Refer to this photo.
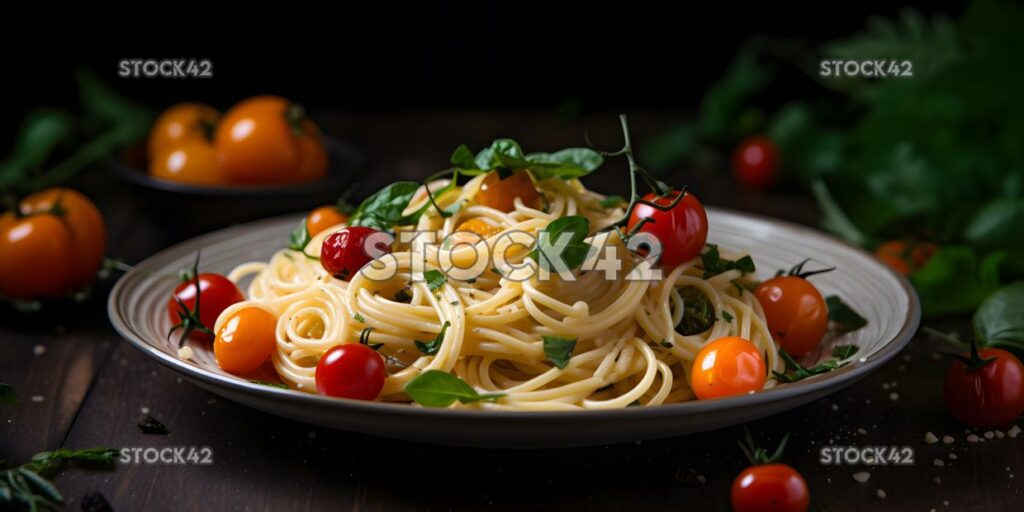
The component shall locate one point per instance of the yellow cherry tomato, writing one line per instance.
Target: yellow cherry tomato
(180, 123)
(726, 367)
(245, 340)
(194, 162)
(323, 218)
(500, 193)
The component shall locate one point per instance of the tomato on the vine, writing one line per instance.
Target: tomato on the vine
(500, 191)
(268, 139)
(345, 252)
(323, 218)
(181, 123)
(796, 312)
(726, 367)
(985, 389)
(774, 487)
(216, 293)
(755, 162)
(351, 371)
(905, 257)
(86, 226)
(681, 230)
(36, 256)
(245, 340)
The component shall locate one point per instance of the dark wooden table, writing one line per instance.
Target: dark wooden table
(81, 386)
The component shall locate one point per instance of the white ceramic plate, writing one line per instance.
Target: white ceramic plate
(137, 310)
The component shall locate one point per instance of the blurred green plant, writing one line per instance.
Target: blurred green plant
(52, 145)
(938, 156)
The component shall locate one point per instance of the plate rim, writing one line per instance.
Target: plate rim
(828, 383)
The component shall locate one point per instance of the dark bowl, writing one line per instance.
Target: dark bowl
(186, 210)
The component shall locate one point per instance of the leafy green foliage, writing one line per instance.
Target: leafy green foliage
(698, 313)
(573, 250)
(559, 350)
(999, 321)
(299, 238)
(435, 388)
(431, 347)
(713, 263)
(842, 315)
(435, 279)
(506, 154)
(27, 486)
(383, 210)
(954, 280)
(795, 371)
(844, 351)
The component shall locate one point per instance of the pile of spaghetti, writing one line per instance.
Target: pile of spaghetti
(528, 341)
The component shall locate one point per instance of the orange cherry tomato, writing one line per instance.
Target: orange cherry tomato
(323, 218)
(35, 256)
(245, 340)
(500, 194)
(772, 487)
(85, 224)
(267, 139)
(194, 162)
(478, 226)
(180, 123)
(796, 312)
(905, 257)
(727, 366)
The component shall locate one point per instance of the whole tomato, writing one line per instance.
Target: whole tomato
(180, 123)
(755, 162)
(201, 310)
(194, 162)
(268, 139)
(796, 312)
(985, 389)
(346, 251)
(773, 487)
(35, 256)
(85, 224)
(681, 230)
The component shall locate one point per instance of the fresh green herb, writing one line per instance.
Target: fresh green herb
(505, 154)
(430, 348)
(435, 388)
(269, 384)
(713, 263)
(612, 201)
(403, 296)
(299, 237)
(843, 315)
(955, 280)
(756, 455)
(698, 313)
(559, 350)
(999, 322)
(435, 279)
(844, 351)
(27, 487)
(7, 395)
(359, 318)
(364, 339)
(563, 238)
(795, 372)
(665, 344)
(726, 316)
(383, 210)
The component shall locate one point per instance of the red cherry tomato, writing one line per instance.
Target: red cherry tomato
(796, 312)
(346, 251)
(682, 231)
(727, 366)
(351, 371)
(755, 162)
(770, 487)
(905, 257)
(216, 293)
(989, 396)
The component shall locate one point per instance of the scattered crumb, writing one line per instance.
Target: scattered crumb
(947, 439)
(939, 463)
(945, 502)
(989, 435)
(862, 476)
(937, 480)
(145, 410)
(185, 353)
(880, 493)
(930, 438)
(972, 438)
(952, 456)
(861, 431)
(1000, 434)
(312, 434)
(39, 350)
(835, 407)
(38, 398)
(885, 385)
(702, 479)
(894, 396)
(1014, 431)
(867, 401)
(211, 401)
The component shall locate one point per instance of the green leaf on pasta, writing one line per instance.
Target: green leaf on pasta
(435, 388)
(430, 348)
(559, 350)
(434, 279)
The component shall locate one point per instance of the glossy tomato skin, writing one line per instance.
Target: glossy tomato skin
(351, 371)
(727, 366)
(259, 142)
(194, 162)
(216, 294)
(991, 396)
(796, 312)
(245, 340)
(346, 251)
(36, 256)
(323, 218)
(682, 231)
(755, 162)
(180, 123)
(770, 488)
(85, 224)
(500, 194)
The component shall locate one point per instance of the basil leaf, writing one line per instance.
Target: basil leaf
(463, 158)
(299, 237)
(435, 279)
(843, 315)
(612, 201)
(430, 348)
(726, 316)
(559, 350)
(714, 264)
(7, 395)
(435, 388)
(584, 158)
(506, 155)
(998, 320)
(698, 313)
(383, 210)
(844, 351)
(572, 250)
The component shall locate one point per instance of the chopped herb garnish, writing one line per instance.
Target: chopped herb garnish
(435, 279)
(28, 486)
(713, 263)
(364, 339)
(665, 344)
(151, 425)
(559, 350)
(698, 313)
(269, 384)
(403, 296)
(431, 347)
(563, 238)
(726, 316)
(359, 318)
(842, 315)
(844, 351)
(435, 388)
(795, 372)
